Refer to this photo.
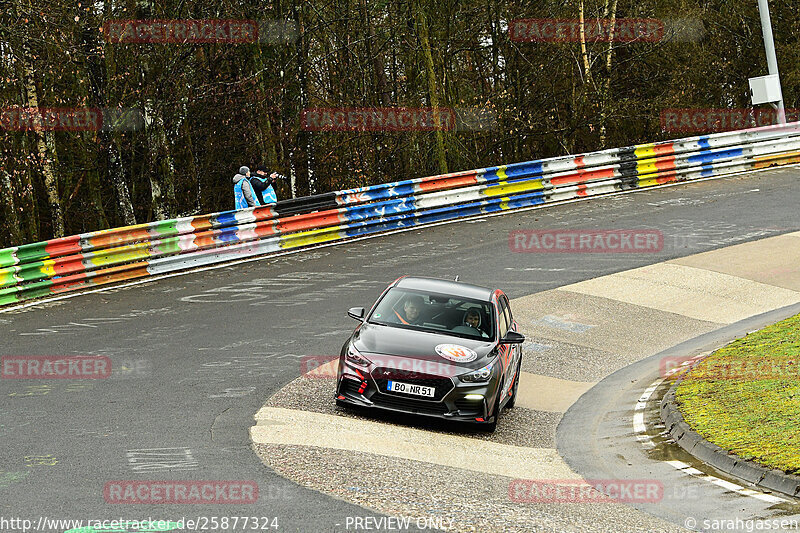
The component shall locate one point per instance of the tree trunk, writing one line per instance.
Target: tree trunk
(612, 13)
(12, 225)
(45, 146)
(158, 204)
(422, 21)
(28, 196)
(269, 155)
(113, 142)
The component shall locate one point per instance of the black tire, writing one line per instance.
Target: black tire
(340, 403)
(491, 426)
(511, 402)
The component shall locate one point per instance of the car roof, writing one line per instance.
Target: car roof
(442, 286)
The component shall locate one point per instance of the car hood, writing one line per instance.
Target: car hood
(404, 343)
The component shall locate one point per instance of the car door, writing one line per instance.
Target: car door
(514, 351)
(506, 351)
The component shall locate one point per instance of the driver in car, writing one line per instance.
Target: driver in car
(412, 311)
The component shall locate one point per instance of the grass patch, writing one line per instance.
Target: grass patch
(745, 397)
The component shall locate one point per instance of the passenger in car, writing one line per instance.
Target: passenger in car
(472, 318)
(412, 310)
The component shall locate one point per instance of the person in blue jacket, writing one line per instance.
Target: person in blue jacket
(243, 193)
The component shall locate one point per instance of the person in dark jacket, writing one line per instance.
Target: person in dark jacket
(243, 192)
(264, 185)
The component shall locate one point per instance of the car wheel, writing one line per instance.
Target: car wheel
(491, 426)
(514, 389)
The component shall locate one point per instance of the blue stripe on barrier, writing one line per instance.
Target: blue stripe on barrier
(362, 212)
(708, 157)
(526, 200)
(224, 219)
(227, 235)
(533, 169)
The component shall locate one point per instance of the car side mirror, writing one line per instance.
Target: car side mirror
(512, 337)
(357, 313)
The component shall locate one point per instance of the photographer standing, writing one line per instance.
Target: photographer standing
(263, 183)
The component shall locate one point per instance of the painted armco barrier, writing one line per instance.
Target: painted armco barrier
(103, 257)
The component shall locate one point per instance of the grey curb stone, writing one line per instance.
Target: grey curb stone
(748, 471)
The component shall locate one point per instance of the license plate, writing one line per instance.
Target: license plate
(408, 388)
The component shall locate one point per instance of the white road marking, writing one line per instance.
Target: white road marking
(640, 429)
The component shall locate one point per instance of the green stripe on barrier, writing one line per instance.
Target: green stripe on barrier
(7, 276)
(168, 246)
(168, 227)
(34, 290)
(32, 271)
(32, 252)
(8, 257)
(8, 299)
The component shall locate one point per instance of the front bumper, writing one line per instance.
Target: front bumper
(359, 387)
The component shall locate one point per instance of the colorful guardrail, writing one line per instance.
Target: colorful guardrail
(110, 256)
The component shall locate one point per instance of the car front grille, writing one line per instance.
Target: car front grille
(392, 401)
(441, 385)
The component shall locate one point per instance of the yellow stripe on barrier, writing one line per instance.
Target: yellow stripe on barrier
(507, 189)
(645, 151)
(501, 172)
(48, 268)
(122, 255)
(305, 238)
(647, 167)
(765, 161)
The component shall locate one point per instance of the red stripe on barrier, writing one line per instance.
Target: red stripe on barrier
(448, 183)
(126, 236)
(330, 217)
(668, 178)
(666, 163)
(63, 246)
(100, 277)
(584, 176)
(202, 222)
(68, 265)
(70, 283)
(664, 149)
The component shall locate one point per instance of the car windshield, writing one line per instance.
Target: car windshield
(438, 313)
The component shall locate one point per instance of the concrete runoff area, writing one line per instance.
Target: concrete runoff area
(627, 316)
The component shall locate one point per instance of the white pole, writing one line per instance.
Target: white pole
(772, 60)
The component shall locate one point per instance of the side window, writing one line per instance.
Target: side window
(509, 318)
(503, 318)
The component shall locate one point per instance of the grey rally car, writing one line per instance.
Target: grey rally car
(436, 348)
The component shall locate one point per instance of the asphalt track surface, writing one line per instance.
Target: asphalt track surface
(195, 356)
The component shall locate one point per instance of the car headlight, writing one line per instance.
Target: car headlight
(478, 376)
(355, 357)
